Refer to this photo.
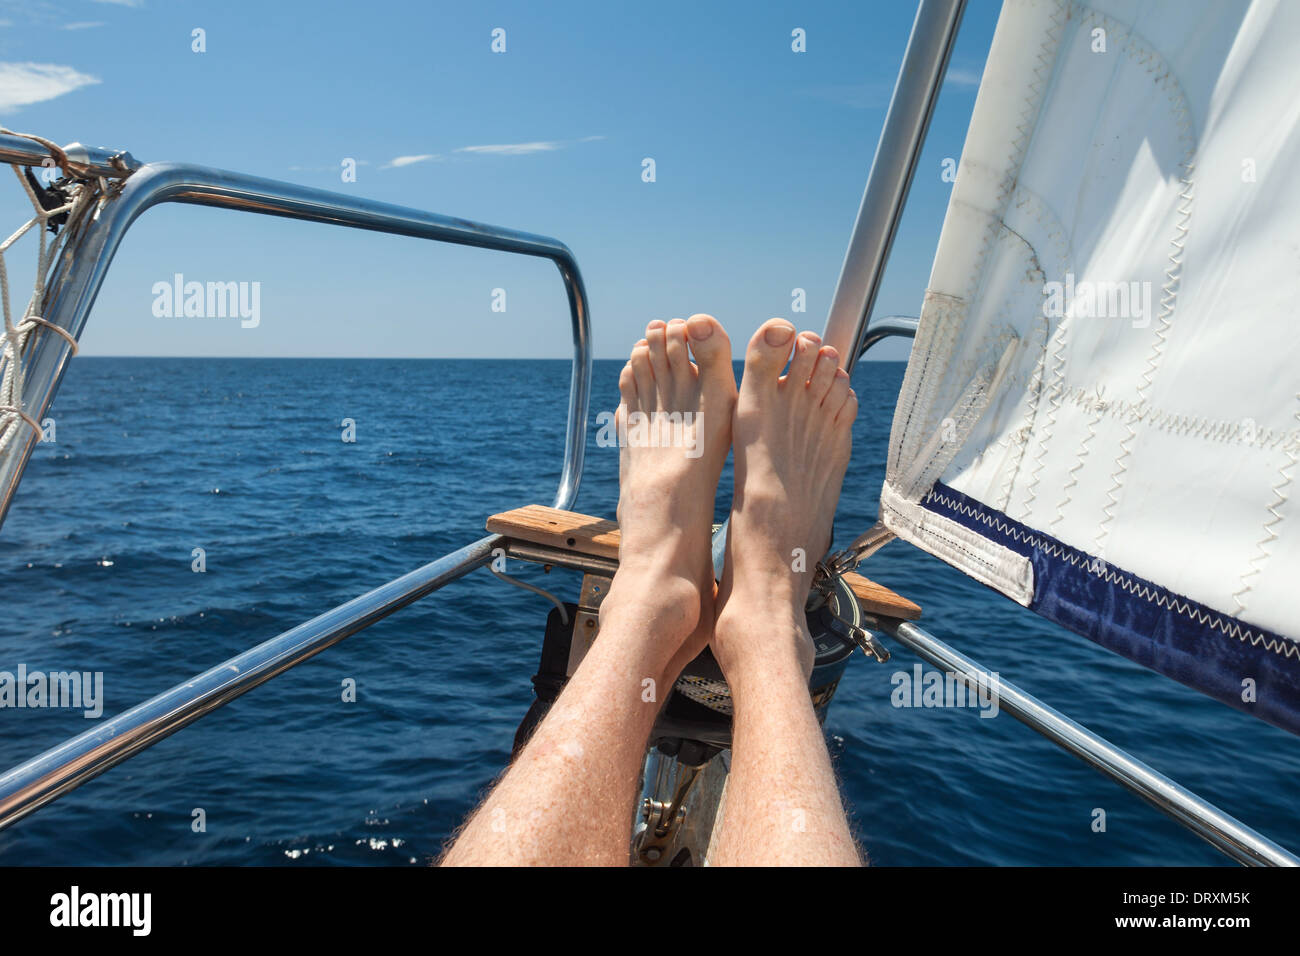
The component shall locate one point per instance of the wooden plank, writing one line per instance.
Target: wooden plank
(538, 524)
(878, 599)
(568, 530)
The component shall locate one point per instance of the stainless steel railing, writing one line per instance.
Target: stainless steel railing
(74, 286)
(31, 785)
(47, 776)
(77, 280)
(928, 50)
(1198, 815)
(934, 32)
(883, 327)
(1207, 821)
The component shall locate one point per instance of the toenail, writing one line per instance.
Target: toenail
(700, 330)
(778, 334)
(829, 352)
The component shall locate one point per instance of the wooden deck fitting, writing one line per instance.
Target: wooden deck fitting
(599, 537)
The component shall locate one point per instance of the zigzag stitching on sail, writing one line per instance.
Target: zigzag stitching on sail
(919, 391)
(1173, 423)
(1033, 103)
(1033, 205)
(1036, 379)
(1013, 383)
(1078, 462)
(1178, 424)
(1053, 407)
(1138, 49)
(1228, 627)
(1270, 534)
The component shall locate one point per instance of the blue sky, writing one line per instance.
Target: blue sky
(761, 154)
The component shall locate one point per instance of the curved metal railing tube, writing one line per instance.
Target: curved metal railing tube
(73, 287)
(575, 442)
(1207, 821)
(31, 785)
(76, 282)
(94, 160)
(883, 327)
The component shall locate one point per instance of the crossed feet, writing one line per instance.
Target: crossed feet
(792, 437)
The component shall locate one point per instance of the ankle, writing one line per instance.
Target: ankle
(664, 604)
(769, 590)
(761, 641)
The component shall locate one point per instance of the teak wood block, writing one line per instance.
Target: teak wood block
(599, 537)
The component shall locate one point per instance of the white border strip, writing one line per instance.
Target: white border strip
(987, 562)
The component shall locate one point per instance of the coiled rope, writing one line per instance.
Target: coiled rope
(81, 194)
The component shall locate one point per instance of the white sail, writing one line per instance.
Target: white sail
(1101, 415)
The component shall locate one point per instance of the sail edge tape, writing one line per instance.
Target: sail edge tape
(1104, 366)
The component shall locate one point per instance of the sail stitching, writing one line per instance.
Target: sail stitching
(1141, 51)
(1032, 205)
(1280, 495)
(1174, 423)
(1067, 489)
(1172, 602)
(986, 561)
(1034, 99)
(1094, 401)
(951, 540)
(1034, 273)
(941, 312)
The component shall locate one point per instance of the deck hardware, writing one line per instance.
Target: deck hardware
(664, 819)
(863, 638)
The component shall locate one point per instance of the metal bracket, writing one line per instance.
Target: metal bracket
(663, 819)
(586, 623)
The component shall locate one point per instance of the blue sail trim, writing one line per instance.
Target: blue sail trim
(1147, 623)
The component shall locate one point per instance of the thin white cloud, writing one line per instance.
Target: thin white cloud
(964, 77)
(22, 84)
(399, 161)
(511, 149)
(495, 149)
(82, 25)
(123, 3)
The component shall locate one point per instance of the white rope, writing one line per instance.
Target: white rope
(17, 333)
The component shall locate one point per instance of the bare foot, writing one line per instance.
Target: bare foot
(678, 417)
(792, 436)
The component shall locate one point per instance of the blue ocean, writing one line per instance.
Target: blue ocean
(155, 458)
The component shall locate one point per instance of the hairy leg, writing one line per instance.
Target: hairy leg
(792, 438)
(569, 797)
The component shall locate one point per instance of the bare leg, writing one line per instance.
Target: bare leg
(792, 439)
(569, 797)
